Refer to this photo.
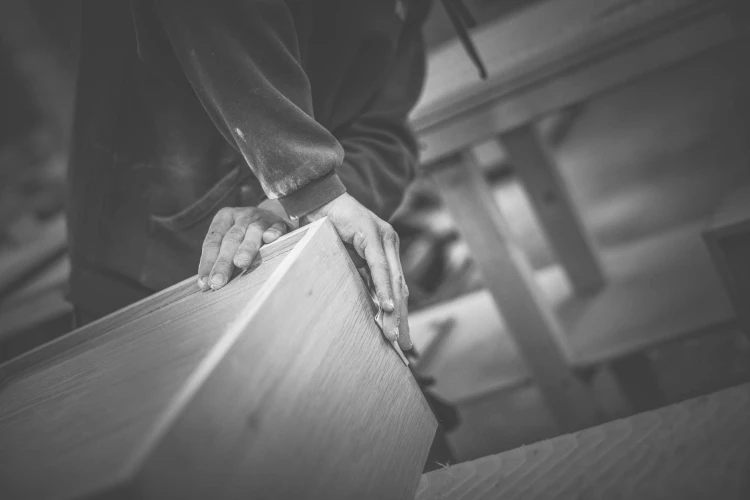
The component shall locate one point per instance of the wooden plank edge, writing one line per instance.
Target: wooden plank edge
(657, 442)
(175, 293)
(217, 353)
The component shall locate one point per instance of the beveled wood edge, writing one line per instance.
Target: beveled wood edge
(166, 297)
(217, 353)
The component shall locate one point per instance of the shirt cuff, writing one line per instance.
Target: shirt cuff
(313, 195)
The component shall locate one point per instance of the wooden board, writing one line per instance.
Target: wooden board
(280, 385)
(728, 239)
(698, 449)
(554, 54)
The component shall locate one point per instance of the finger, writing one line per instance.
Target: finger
(223, 220)
(274, 232)
(223, 265)
(369, 244)
(400, 292)
(248, 249)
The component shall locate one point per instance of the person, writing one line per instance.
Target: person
(204, 130)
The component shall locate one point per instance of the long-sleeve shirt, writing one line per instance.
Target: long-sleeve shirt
(185, 106)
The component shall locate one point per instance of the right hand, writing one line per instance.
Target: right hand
(234, 238)
(378, 244)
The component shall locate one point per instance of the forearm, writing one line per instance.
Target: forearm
(242, 61)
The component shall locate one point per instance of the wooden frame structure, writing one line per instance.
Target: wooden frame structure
(552, 55)
(280, 385)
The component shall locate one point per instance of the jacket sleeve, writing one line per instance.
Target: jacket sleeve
(242, 61)
(380, 149)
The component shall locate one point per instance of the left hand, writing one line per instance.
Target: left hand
(235, 237)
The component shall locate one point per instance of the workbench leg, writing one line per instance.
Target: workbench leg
(510, 279)
(638, 382)
(564, 229)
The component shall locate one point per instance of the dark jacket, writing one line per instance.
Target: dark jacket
(184, 107)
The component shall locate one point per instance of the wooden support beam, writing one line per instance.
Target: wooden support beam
(508, 276)
(699, 448)
(552, 203)
(556, 54)
(728, 240)
(280, 385)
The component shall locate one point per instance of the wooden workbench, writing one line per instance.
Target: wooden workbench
(551, 55)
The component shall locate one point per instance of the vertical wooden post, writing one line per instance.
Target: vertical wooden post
(565, 231)
(509, 278)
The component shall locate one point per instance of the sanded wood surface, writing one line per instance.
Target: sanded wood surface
(509, 278)
(280, 385)
(697, 449)
(554, 54)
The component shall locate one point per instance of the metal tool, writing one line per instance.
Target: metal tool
(379, 315)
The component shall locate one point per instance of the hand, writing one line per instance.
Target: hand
(234, 238)
(378, 244)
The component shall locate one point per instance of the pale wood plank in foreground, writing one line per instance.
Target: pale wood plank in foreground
(698, 449)
(509, 278)
(280, 385)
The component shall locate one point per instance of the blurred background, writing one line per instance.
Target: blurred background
(648, 162)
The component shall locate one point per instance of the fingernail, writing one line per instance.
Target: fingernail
(201, 283)
(242, 258)
(411, 344)
(217, 280)
(388, 305)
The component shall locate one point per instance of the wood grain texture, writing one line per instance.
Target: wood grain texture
(554, 207)
(697, 449)
(563, 70)
(508, 276)
(171, 295)
(280, 385)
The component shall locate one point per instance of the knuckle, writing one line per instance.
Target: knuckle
(222, 263)
(224, 212)
(235, 234)
(213, 238)
(359, 240)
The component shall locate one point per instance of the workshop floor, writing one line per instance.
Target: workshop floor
(644, 161)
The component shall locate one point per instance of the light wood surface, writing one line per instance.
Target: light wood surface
(697, 449)
(552, 203)
(531, 323)
(661, 289)
(555, 54)
(280, 385)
